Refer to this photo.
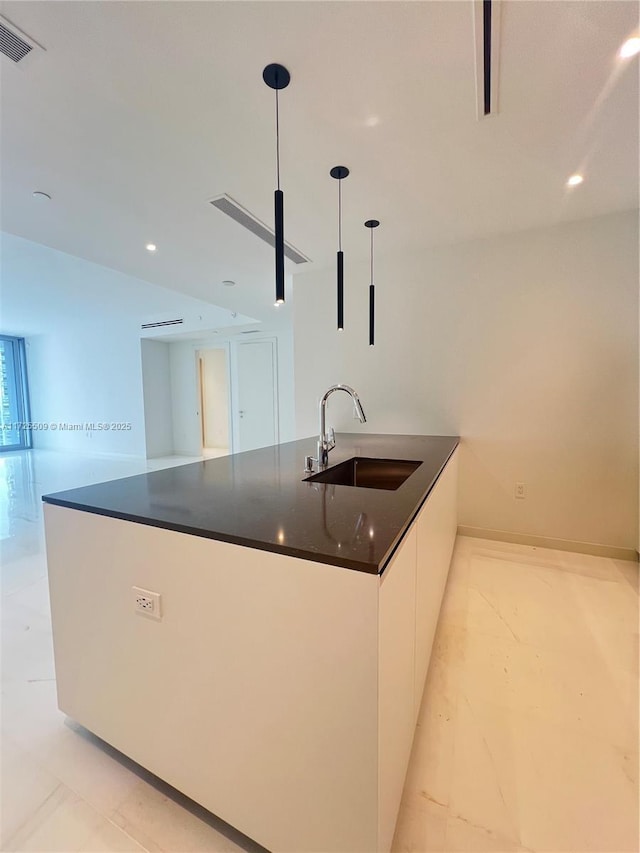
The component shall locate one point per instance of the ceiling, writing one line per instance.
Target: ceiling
(44, 282)
(139, 112)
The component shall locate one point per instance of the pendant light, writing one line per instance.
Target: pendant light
(339, 173)
(277, 77)
(371, 224)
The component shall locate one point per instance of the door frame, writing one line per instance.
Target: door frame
(22, 387)
(223, 345)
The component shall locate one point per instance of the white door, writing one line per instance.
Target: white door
(257, 395)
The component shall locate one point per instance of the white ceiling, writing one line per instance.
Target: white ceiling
(139, 112)
(38, 283)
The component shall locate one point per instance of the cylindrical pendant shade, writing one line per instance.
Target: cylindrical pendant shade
(339, 173)
(372, 314)
(279, 229)
(277, 77)
(340, 290)
(372, 223)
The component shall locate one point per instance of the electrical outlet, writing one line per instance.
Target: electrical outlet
(520, 491)
(147, 603)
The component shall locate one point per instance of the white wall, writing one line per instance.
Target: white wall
(215, 391)
(157, 398)
(526, 345)
(79, 374)
(286, 384)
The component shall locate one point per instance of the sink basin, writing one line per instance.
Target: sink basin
(368, 473)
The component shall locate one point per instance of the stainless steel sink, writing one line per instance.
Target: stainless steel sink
(367, 473)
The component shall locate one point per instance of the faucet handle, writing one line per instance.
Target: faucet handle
(331, 438)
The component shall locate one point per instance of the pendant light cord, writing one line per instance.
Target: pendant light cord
(277, 140)
(371, 229)
(340, 215)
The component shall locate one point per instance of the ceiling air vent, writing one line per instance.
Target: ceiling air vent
(161, 323)
(14, 44)
(243, 217)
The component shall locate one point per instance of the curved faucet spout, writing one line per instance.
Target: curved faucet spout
(328, 442)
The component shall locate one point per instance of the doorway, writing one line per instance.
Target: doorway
(213, 386)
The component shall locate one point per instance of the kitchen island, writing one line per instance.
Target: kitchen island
(275, 669)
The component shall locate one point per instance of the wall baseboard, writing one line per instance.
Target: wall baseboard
(612, 551)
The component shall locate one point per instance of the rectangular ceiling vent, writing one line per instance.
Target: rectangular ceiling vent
(486, 27)
(15, 45)
(243, 217)
(161, 323)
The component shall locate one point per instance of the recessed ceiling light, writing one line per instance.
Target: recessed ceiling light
(41, 196)
(151, 247)
(630, 48)
(574, 180)
(228, 283)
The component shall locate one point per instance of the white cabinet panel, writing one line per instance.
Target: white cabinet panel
(255, 694)
(436, 531)
(395, 683)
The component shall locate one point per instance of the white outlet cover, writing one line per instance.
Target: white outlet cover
(147, 603)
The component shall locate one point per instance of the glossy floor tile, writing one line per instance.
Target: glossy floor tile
(527, 736)
(528, 731)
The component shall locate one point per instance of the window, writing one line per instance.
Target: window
(14, 397)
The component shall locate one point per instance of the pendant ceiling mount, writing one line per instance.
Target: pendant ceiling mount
(277, 77)
(339, 173)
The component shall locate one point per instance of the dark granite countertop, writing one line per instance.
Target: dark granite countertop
(259, 499)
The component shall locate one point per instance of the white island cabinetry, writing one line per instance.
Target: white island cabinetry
(280, 693)
(411, 591)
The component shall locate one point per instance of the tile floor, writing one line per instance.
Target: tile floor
(527, 737)
(528, 731)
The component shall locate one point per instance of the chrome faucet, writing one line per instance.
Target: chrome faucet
(327, 441)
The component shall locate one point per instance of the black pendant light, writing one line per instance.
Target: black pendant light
(372, 223)
(277, 77)
(340, 172)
